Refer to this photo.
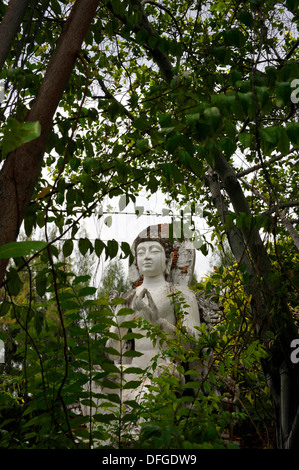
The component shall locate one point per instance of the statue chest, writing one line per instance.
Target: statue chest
(163, 303)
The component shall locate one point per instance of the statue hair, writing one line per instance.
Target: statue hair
(165, 242)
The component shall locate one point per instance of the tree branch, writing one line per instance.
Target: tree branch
(288, 224)
(162, 7)
(251, 235)
(281, 205)
(289, 54)
(289, 227)
(109, 96)
(10, 25)
(234, 235)
(160, 57)
(258, 166)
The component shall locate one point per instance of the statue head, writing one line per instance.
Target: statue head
(179, 258)
(153, 256)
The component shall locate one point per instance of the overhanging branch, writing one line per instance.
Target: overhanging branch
(258, 166)
(282, 205)
(159, 56)
(109, 96)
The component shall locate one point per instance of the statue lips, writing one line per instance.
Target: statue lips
(147, 263)
(147, 266)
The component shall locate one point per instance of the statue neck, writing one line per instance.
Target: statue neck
(153, 282)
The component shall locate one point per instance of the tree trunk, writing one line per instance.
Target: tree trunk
(22, 167)
(10, 25)
(270, 312)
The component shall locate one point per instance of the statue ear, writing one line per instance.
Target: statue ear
(168, 264)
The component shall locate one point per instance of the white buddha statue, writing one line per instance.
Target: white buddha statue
(152, 300)
(161, 276)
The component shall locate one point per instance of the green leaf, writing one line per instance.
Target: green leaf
(167, 130)
(56, 7)
(283, 95)
(119, 301)
(4, 308)
(141, 123)
(85, 291)
(38, 321)
(221, 54)
(41, 283)
(67, 248)
(99, 245)
(247, 100)
(112, 248)
(263, 95)
(126, 249)
(84, 245)
(196, 166)
(223, 99)
(132, 353)
(228, 146)
(142, 145)
(172, 142)
(283, 145)
(271, 74)
(79, 279)
(111, 351)
(132, 384)
(104, 417)
(246, 18)
(124, 311)
(270, 134)
(212, 116)
(19, 249)
(292, 129)
(123, 202)
(114, 397)
(128, 324)
(192, 118)
(129, 336)
(108, 221)
(234, 37)
(17, 134)
(245, 139)
(133, 370)
(110, 384)
(235, 76)
(14, 282)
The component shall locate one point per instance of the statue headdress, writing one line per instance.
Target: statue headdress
(181, 271)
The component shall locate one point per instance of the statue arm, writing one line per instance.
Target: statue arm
(192, 316)
(150, 312)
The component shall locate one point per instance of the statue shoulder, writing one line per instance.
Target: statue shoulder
(185, 290)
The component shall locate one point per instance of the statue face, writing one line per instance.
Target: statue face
(151, 258)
